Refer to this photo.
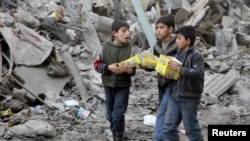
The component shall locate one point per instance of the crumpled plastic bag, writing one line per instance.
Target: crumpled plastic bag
(149, 120)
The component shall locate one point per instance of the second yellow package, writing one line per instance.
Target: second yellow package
(148, 60)
(163, 69)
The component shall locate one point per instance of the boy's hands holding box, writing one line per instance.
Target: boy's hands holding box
(148, 60)
(115, 68)
(119, 68)
(133, 61)
(168, 67)
(126, 67)
(174, 66)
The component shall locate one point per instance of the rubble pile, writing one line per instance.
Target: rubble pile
(48, 48)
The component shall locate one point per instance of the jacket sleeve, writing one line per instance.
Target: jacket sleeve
(99, 65)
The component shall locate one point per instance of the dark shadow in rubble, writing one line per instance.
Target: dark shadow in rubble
(57, 30)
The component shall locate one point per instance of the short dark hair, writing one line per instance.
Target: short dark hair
(168, 20)
(117, 24)
(188, 32)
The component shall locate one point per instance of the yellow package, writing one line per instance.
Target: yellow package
(133, 61)
(6, 113)
(149, 60)
(57, 14)
(163, 69)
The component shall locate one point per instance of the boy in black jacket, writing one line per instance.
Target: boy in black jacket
(186, 91)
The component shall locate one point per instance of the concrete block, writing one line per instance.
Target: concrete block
(227, 21)
(183, 12)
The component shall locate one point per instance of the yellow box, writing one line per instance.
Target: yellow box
(148, 61)
(133, 61)
(163, 69)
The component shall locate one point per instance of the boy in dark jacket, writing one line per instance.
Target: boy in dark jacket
(115, 78)
(186, 91)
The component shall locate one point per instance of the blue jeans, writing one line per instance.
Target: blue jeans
(116, 106)
(177, 111)
(161, 92)
(163, 96)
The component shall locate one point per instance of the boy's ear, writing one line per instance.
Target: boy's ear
(114, 33)
(188, 41)
(171, 29)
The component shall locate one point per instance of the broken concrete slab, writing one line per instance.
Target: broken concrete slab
(218, 83)
(91, 38)
(227, 21)
(41, 128)
(102, 24)
(183, 11)
(28, 47)
(243, 92)
(37, 80)
(68, 60)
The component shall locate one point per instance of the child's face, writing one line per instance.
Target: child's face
(122, 36)
(181, 42)
(163, 31)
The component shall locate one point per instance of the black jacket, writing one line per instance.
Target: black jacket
(191, 81)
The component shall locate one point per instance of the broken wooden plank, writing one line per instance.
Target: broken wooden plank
(36, 96)
(223, 57)
(197, 13)
(13, 94)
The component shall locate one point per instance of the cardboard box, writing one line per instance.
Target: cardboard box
(163, 69)
(133, 61)
(149, 60)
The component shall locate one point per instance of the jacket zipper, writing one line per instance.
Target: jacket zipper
(178, 84)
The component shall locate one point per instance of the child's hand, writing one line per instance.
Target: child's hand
(174, 65)
(126, 67)
(115, 68)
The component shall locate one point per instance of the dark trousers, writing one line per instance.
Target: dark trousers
(116, 106)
